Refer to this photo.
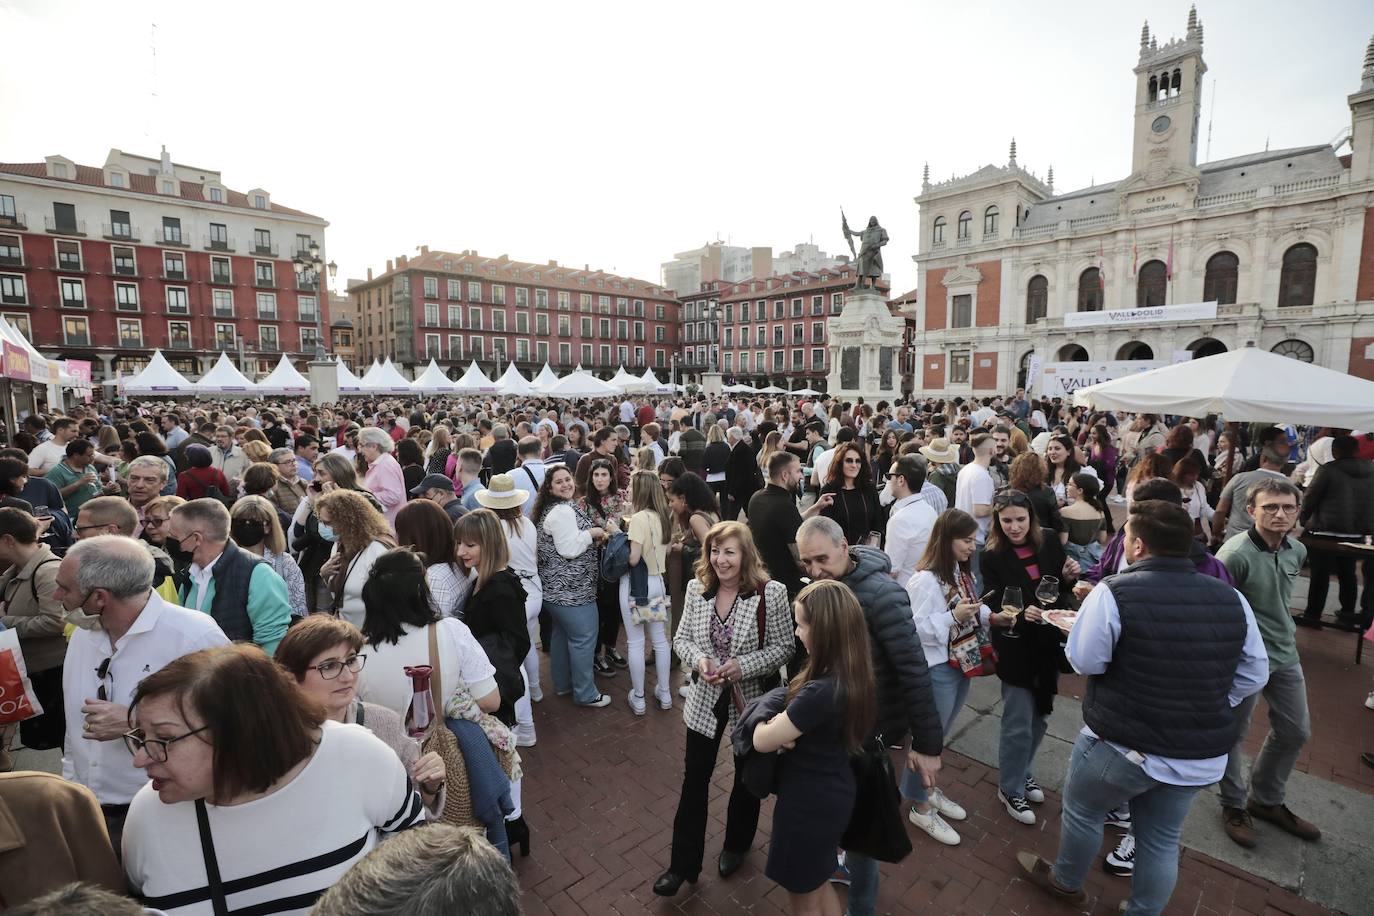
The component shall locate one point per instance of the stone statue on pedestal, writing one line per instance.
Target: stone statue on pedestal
(869, 259)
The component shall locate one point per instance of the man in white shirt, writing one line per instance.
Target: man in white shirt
(911, 520)
(50, 454)
(530, 471)
(973, 492)
(125, 632)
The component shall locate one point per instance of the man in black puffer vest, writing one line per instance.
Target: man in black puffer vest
(1169, 653)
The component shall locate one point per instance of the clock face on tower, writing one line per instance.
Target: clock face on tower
(1161, 124)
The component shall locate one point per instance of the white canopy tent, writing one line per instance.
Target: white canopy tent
(545, 378)
(158, 377)
(1246, 386)
(474, 381)
(804, 392)
(225, 378)
(348, 382)
(284, 380)
(370, 376)
(580, 385)
(512, 382)
(433, 381)
(739, 389)
(658, 387)
(628, 381)
(387, 379)
(772, 389)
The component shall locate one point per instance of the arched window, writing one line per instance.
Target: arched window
(990, 221)
(1037, 299)
(1178, 83)
(1219, 283)
(1298, 279)
(1135, 350)
(1090, 290)
(1154, 88)
(937, 232)
(1072, 353)
(1151, 284)
(965, 222)
(1295, 349)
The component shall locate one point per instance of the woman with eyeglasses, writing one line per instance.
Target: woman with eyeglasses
(325, 655)
(252, 786)
(849, 497)
(1020, 556)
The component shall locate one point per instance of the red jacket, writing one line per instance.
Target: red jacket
(192, 482)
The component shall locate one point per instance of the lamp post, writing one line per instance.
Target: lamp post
(313, 268)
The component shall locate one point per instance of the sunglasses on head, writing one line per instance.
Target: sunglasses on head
(1013, 498)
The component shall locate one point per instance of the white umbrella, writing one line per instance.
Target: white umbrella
(772, 389)
(433, 381)
(1247, 386)
(805, 392)
(739, 389)
(224, 377)
(579, 385)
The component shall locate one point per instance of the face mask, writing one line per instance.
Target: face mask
(247, 532)
(81, 619)
(327, 533)
(180, 555)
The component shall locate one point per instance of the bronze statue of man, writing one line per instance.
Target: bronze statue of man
(870, 257)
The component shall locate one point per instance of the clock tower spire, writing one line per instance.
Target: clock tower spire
(1168, 103)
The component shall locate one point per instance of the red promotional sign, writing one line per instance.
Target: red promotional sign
(17, 363)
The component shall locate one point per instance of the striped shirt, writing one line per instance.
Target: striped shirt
(281, 852)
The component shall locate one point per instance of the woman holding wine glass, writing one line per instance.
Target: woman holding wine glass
(1020, 558)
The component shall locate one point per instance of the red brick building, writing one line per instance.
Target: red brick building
(456, 307)
(107, 263)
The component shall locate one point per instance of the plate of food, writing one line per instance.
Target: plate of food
(1063, 619)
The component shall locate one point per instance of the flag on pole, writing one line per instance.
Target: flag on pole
(1135, 254)
(1169, 264)
(1101, 276)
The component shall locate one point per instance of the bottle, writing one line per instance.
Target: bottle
(421, 712)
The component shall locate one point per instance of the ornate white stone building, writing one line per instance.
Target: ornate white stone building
(1282, 241)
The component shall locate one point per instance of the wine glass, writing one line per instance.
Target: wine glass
(1012, 605)
(1047, 593)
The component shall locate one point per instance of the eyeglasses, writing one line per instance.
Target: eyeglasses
(80, 528)
(102, 673)
(153, 521)
(333, 668)
(155, 748)
(1278, 509)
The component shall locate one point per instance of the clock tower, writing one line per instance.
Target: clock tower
(1168, 113)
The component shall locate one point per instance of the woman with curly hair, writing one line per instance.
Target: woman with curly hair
(849, 497)
(1028, 475)
(360, 535)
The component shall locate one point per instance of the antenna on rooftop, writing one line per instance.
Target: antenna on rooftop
(1211, 114)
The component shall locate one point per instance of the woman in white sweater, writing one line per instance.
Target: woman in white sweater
(360, 535)
(952, 624)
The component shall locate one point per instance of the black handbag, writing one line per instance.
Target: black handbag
(876, 827)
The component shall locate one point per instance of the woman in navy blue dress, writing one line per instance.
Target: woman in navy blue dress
(830, 711)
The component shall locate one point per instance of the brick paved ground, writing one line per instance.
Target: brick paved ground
(602, 787)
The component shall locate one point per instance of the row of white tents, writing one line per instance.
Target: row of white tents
(159, 378)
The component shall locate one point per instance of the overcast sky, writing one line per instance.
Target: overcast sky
(615, 134)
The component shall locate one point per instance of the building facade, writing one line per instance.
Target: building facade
(1273, 250)
(455, 307)
(107, 263)
(690, 270)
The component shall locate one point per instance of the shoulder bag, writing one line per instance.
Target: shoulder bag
(876, 827)
(458, 798)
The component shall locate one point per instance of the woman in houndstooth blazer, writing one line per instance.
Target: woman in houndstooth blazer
(719, 639)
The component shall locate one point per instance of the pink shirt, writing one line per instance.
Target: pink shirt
(387, 482)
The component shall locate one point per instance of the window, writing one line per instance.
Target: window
(779, 363)
(818, 360)
(176, 300)
(475, 347)
(818, 332)
(744, 361)
(639, 330)
(622, 329)
(639, 356)
(660, 334)
(432, 350)
(222, 301)
(179, 335)
(431, 287)
(123, 259)
(431, 315)
(563, 326)
(796, 308)
(522, 323)
(219, 237)
(744, 311)
(1037, 298)
(1221, 278)
(961, 311)
(586, 354)
(729, 364)
(303, 243)
(173, 266)
(120, 227)
(308, 308)
(498, 294)
(7, 211)
(262, 241)
(817, 305)
(758, 361)
(779, 309)
(605, 352)
(64, 217)
(658, 314)
(73, 293)
(309, 339)
(965, 222)
(564, 354)
(1151, 285)
(541, 324)
(171, 230)
(836, 303)
(130, 332)
(455, 316)
(604, 328)
(541, 298)
(777, 335)
(267, 306)
(622, 355)
(126, 297)
(564, 300)
(455, 289)
(475, 290)
(74, 332)
(260, 201)
(263, 274)
(584, 302)
(169, 187)
(586, 324)
(1090, 290)
(21, 324)
(958, 367)
(216, 196)
(225, 337)
(475, 319)
(603, 303)
(11, 254)
(798, 333)
(990, 222)
(455, 346)
(13, 291)
(219, 271)
(522, 297)
(68, 255)
(267, 337)
(1298, 278)
(622, 306)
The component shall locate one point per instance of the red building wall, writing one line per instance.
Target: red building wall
(935, 298)
(933, 371)
(989, 306)
(1360, 365)
(984, 377)
(1364, 283)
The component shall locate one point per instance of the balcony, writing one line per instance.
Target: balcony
(265, 282)
(310, 317)
(176, 275)
(269, 346)
(7, 299)
(210, 244)
(73, 303)
(268, 249)
(69, 265)
(12, 260)
(119, 232)
(179, 344)
(16, 221)
(172, 237)
(128, 343)
(225, 345)
(267, 316)
(224, 313)
(307, 286)
(78, 340)
(221, 279)
(66, 227)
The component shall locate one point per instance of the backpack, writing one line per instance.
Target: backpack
(615, 556)
(214, 492)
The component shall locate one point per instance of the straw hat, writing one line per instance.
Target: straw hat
(501, 493)
(940, 451)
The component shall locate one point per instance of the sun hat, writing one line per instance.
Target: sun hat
(501, 493)
(941, 452)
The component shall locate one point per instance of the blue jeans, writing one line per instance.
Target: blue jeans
(951, 690)
(1101, 779)
(573, 650)
(1022, 731)
(863, 884)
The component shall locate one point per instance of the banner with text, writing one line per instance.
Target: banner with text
(1061, 380)
(1160, 314)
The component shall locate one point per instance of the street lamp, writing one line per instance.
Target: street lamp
(311, 269)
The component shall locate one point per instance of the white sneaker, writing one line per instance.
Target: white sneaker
(946, 806)
(536, 694)
(1369, 701)
(524, 735)
(1018, 807)
(636, 703)
(685, 691)
(665, 699)
(934, 825)
(1116, 498)
(1033, 791)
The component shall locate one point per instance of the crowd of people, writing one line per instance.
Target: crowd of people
(240, 618)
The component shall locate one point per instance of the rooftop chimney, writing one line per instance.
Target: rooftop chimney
(553, 263)
(389, 265)
(424, 249)
(369, 273)
(401, 260)
(166, 165)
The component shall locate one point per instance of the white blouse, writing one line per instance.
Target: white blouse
(930, 609)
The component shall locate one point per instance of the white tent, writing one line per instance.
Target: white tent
(628, 381)
(580, 385)
(651, 381)
(772, 389)
(512, 382)
(284, 380)
(433, 381)
(738, 389)
(159, 378)
(804, 392)
(545, 378)
(1247, 386)
(474, 381)
(224, 378)
(386, 379)
(370, 376)
(348, 382)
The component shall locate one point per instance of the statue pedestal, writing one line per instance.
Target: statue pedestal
(864, 340)
(324, 382)
(710, 384)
